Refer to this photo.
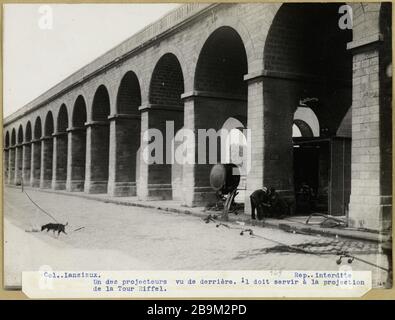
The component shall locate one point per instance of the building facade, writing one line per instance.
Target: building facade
(271, 67)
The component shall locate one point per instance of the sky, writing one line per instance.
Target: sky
(43, 44)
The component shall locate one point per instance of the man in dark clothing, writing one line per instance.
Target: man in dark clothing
(260, 201)
(278, 206)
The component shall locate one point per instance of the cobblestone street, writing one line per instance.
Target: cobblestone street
(104, 236)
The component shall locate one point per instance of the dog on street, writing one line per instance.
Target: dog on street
(59, 227)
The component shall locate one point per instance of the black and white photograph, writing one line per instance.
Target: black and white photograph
(197, 136)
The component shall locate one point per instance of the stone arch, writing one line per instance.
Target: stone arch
(242, 31)
(220, 92)
(101, 104)
(303, 129)
(7, 139)
(20, 134)
(167, 82)
(11, 178)
(307, 122)
(12, 155)
(47, 151)
(126, 127)
(311, 53)
(49, 125)
(37, 128)
(222, 63)
(62, 119)
(79, 114)
(311, 67)
(186, 72)
(13, 137)
(18, 156)
(36, 153)
(6, 156)
(129, 94)
(98, 134)
(77, 146)
(28, 132)
(235, 122)
(27, 154)
(60, 151)
(165, 106)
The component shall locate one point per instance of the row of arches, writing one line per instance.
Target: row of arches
(69, 141)
(220, 89)
(306, 64)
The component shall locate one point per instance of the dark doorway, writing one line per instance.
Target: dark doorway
(322, 175)
(306, 158)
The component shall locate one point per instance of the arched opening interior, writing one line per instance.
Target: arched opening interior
(236, 151)
(18, 157)
(77, 140)
(11, 179)
(20, 135)
(301, 128)
(127, 136)
(6, 156)
(61, 149)
(296, 133)
(36, 154)
(27, 154)
(13, 138)
(7, 140)
(37, 129)
(47, 152)
(28, 132)
(306, 121)
(220, 94)
(99, 142)
(312, 70)
(166, 108)
(129, 95)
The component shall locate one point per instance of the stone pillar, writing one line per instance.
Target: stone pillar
(59, 165)
(18, 165)
(6, 163)
(195, 177)
(97, 157)
(46, 162)
(26, 150)
(155, 178)
(371, 149)
(271, 102)
(76, 155)
(35, 165)
(11, 165)
(124, 144)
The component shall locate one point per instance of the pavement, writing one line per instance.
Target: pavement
(295, 224)
(103, 235)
